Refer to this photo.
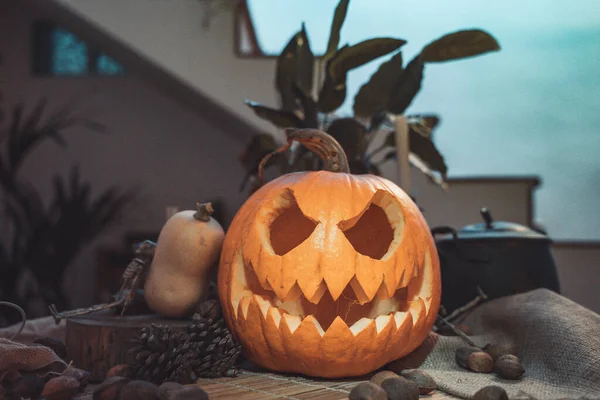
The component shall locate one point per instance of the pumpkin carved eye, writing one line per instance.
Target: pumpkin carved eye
(290, 227)
(371, 233)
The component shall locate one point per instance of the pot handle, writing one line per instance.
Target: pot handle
(470, 257)
(444, 230)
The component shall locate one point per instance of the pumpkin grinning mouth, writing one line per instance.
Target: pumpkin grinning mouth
(407, 302)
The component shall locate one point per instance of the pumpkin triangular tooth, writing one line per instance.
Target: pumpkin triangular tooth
(317, 294)
(400, 317)
(292, 322)
(255, 264)
(391, 283)
(359, 293)
(383, 293)
(275, 315)
(337, 326)
(337, 284)
(243, 307)
(407, 276)
(382, 321)
(361, 325)
(416, 308)
(262, 303)
(315, 322)
(283, 289)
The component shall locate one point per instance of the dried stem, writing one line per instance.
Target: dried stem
(204, 211)
(481, 297)
(458, 332)
(325, 146)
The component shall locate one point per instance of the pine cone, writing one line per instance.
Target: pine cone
(204, 349)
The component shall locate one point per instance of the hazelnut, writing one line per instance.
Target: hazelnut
(167, 389)
(491, 392)
(139, 390)
(61, 388)
(367, 391)
(499, 349)
(29, 385)
(191, 392)
(509, 366)
(422, 379)
(110, 388)
(123, 370)
(474, 359)
(381, 376)
(400, 389)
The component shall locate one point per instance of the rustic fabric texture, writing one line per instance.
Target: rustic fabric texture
(35, 329)
(558, 342)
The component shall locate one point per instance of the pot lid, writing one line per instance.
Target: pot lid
(490, 229)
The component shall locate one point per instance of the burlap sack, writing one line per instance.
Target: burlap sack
(25, 357)
(558, 342)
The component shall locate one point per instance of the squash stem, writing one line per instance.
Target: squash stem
(204, 211)
(324, 145)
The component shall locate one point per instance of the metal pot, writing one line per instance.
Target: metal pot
(501, 258)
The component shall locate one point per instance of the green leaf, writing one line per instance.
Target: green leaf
(457, 45)
(351, 135)
(333, 92)
(336, 26)
(279, 118)
(350, 57)
(373, 96)
(407, 87)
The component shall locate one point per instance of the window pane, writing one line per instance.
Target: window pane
(108, 66)
(70, 55)
(532, 108)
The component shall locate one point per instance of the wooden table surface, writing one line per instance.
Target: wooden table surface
(261, 386)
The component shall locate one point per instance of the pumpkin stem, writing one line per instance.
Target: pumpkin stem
(204, 211)
(324, 145)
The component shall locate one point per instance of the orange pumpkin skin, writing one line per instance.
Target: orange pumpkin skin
(259, 269)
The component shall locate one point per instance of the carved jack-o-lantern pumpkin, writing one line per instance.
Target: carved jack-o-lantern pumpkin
(326, 273)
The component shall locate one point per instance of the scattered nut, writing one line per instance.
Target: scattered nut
(81, 375)
(367, 391)
(61, 388)
(491, 392)
(509, 366)
(474, 359)
(139, 390)
(123, 370)
(191, 392)
(499, 349)
(422, 379)
(400, 389)
(110, 388)
(381, 376)
(57, 346)
(168, 389)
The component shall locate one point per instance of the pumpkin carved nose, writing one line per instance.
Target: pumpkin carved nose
(371, 234)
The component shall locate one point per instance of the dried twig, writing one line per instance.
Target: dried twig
(481, 297)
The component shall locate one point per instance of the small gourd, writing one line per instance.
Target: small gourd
(186, 255)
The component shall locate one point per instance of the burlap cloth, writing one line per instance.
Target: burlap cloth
(557, 339)
(558, 342)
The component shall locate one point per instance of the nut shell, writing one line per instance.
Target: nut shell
(61, 388)
(509, 366)
(400, 389)
(425, 382)
(474, 359)
(123, 370)
(110, 388)
(499, 349)
(491, 392)
(139, 390)
(379, 377)
(367, 391)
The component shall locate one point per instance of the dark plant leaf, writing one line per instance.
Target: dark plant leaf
(294, 66)
(309, 108)
(373, 96)
(457, 45)
(421, 147)
(377, 120)
(332, 95)
(280, 118)
(306, 62)
(259, 146)
(333, 92)
(351, 135)
(336, 26)
(423, 124)
(407, 87)
(350, 57)
(286, 73)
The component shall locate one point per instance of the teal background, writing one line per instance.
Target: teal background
(532, 108)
